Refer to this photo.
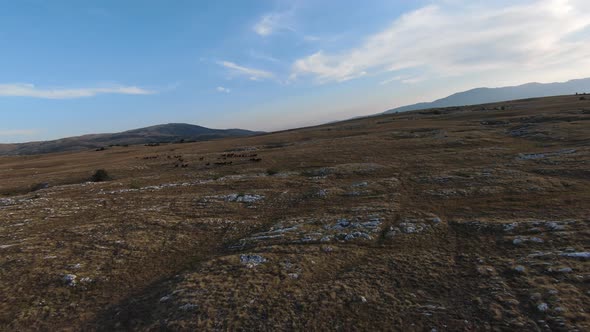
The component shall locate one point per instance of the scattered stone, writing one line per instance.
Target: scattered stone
(534, 156)
(410, 228)
(70, 279)
(341, 224)
(552, 225)
(543, 307)
(519, 269)
(243, 198)
(327, 238)
(357, 235)
(372, 223)
(522, 239)
(7, 201)
(327, 249)
(530, 156)
(252, 260)
(581, 255)
(510, 227)
(86, 280)
(188, 307)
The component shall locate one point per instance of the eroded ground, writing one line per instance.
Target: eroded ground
(473, 218)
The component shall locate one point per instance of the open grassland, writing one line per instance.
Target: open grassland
(466, 218)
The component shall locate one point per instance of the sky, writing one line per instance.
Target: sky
(70, 67)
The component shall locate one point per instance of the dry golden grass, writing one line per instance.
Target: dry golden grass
(448, 219)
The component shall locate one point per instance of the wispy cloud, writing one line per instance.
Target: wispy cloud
(252, 73)
(30, 90)
(263, 56)
(273, 22)
(223, 89)
(311, 38)
(18, 132)
(459, 37)
(404, 79)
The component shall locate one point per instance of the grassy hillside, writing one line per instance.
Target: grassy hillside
(455, 219)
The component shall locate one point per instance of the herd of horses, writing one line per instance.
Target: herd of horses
(179, 161)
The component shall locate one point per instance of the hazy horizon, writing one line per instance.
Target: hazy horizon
(87, 68)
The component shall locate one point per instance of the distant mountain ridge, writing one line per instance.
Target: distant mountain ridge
(165, 133)
(490, 95)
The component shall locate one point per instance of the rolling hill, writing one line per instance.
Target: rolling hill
(492, 95)
(166, 133)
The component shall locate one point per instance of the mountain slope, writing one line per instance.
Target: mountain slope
(490, 95)
(172, 132)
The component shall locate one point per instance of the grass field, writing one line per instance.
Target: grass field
(455, 219)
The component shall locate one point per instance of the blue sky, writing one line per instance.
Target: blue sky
(76, 67)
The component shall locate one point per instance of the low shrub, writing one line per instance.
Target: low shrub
(100, 176)
(39, 186)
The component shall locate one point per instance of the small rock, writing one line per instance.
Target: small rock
(554, 226)
(510, 227)
(188, 306)
(357, 235)
(391, 233)
(70, 279)
(343, 223)
(543, 307)
(86, 280)
(243, 198)
(326, 238)
(252, 260)
(519, 269)
(582, 255)
(75, 266)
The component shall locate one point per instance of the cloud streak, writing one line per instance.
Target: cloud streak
(252, 73)
(223, 89)
(459, 37)
(32, 91)
(273, 22)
